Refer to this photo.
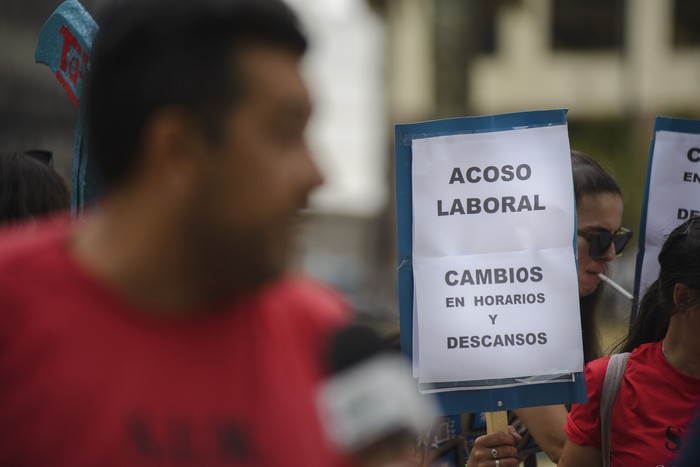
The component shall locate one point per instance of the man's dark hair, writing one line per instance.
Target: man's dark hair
(149, 54)
(29, 188)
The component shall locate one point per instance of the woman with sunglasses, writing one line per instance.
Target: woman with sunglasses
(601, 238)
(660, 388)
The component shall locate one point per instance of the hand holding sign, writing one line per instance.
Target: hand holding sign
(496, 448)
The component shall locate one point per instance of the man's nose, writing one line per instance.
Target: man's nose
(310, 172)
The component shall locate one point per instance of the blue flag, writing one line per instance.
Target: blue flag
(64, 46)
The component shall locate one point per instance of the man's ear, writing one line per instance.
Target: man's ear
(682, 297)
(173, 146)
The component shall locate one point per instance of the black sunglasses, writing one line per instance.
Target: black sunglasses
(599, 242)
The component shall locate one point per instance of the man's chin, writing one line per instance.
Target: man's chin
(267, 273)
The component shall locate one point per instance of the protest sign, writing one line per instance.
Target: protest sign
(672, 193)
(487, 275)
(64, 46)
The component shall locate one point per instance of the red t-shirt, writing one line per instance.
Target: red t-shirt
(655, 405)
(89, 380)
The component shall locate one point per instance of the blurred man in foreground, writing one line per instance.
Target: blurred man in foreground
(162, 330)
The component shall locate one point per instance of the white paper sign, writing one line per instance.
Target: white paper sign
(538, 200)
(674, 194)
(494, 268)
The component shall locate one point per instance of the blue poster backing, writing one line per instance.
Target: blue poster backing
(661, 123)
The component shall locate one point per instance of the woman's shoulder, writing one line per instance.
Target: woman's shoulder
(595, 370)
(645, 351)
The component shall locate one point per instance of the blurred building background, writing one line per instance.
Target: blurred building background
(614, 63)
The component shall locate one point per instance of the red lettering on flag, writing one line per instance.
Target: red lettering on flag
(72, 60)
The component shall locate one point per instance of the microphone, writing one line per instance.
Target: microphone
(370, 406)
(354, 344)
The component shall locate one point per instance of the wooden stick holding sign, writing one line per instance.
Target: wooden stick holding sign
(496, 421)
(488, 291)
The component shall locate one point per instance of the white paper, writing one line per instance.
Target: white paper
(545, 150)
(544, 312)
(415, 361)
(527, 174)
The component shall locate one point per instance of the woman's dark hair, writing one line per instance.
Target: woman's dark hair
(589, 330)
(590, 179)
(679, 262)
(29, 188)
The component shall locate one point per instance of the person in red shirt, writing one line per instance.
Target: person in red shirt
(660, 389)
(162, 329)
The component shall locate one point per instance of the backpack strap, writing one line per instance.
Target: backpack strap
(608, 395)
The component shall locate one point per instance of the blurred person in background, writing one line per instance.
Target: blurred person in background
(163, 329)
(30, 187)
(601, 237)
(660, 388)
